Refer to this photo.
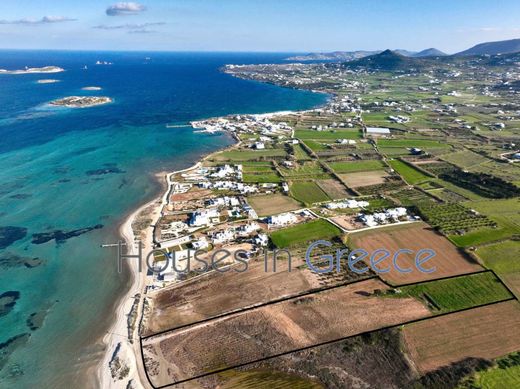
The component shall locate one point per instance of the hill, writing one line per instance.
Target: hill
(492, 48)
(431, 52)
(387, 60)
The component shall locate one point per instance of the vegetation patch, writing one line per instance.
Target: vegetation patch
(410, 174)
(303, 233)
(457, 293)
(356, 166)
(308, 192)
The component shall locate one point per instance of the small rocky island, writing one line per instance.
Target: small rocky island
(81, 101)
(47, 81)
(45, 69)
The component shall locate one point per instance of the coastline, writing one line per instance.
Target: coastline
(131, 353)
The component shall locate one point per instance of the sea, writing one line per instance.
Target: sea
(69, 177)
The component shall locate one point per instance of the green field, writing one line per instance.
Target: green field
(421, 143)
(506, 374)
(308, 192)
(464, 159)
(315, 146)
(304, 170)
(506, 214)
(410, 174)
(458, 293)
(300, 154)
(303, 233)
(356, 166)
(504, 259)
(328, 134)
(249, 155)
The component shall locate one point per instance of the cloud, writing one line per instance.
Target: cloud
(44, 20)
(129, 26)
(125, 8)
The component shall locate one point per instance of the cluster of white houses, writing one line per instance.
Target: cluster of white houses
(391, 215)
(347, 204)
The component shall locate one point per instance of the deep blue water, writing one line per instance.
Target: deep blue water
(50, 165)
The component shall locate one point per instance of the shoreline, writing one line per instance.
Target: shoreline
(131, 352)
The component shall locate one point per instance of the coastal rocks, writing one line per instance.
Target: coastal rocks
(9, 346)
(61, 236)
(10, 260)
(35, 320)
(10, 234)
(20, 196)
(8, 301)
(119, 369)
(106, 170)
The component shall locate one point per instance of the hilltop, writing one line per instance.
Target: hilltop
(387, 60)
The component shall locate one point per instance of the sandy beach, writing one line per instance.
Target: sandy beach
(116, 341)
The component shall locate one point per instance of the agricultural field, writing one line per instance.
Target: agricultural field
(356, 166)
(409, 143)
(190, 302)
(458, 293)
(448, 260)
(304, 171)
(506, 215)
(360, 179)
(464, 159)
(504, 259)
(300, 154)
(473, 333)
(315, 146)
(217, 344)
(333, 189)
(248, 155)
(266, 205)
(303, 233)
(410, 174)
(330, 135)
(454, 218)
(307, 192)
(260, 173)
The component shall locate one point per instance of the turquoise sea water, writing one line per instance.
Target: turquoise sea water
(70, 169)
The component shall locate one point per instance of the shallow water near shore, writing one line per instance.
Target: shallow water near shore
(67, 172)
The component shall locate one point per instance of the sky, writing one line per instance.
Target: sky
(256, 25)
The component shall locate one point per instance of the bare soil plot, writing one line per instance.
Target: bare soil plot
(348, 222)
(486, 332)
(359, 179)
(273, 329)
(333, 188)
(448, 261)
(273, 204)
(217, 293)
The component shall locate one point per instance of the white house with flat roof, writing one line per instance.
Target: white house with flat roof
(378, 131)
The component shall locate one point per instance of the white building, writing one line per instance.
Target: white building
(378, 131)
(204, 217)
(283, 219)
(200, 244)
(261, 240)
